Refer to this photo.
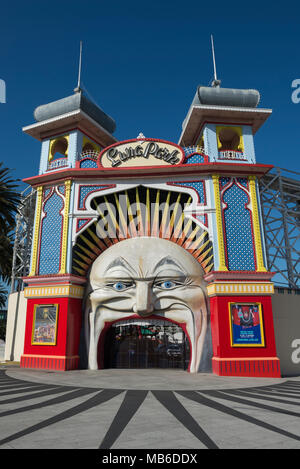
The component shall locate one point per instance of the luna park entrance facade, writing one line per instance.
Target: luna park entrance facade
(150, 343)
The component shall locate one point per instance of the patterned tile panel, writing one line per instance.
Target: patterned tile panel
(238, 230)
(51, 235)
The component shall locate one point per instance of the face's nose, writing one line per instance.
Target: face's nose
(144, 299)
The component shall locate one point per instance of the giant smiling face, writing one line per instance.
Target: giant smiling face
(143, 277)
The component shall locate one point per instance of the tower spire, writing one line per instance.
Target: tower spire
(216, 82)
(78, 88)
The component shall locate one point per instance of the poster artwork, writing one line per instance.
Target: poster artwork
(44, 325)
(246, 325)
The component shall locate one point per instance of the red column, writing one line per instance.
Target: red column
(229, 360)
(63, 355)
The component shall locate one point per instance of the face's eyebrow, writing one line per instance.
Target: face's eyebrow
(166, 261)
(120, 262)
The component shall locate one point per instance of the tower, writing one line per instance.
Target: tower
(72, 132)
(223, 123)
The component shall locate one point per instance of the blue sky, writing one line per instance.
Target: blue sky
(142, 62)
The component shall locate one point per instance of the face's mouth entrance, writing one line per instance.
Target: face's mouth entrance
(146, 343)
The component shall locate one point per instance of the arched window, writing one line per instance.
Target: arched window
(88, 147)
(229, 139)
(58, 148)
(230, 142)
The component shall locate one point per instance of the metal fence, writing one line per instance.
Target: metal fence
(23, 239)
(280, 202)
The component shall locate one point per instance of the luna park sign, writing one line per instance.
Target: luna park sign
(143, 152)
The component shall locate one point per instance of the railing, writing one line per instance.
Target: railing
(60, 163)
(232, 155)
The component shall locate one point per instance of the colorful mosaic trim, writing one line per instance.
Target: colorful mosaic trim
(53, 230)
(256, 226)
(88, 163)
(197, 186)
(63, 260)
(237, 224)
(85, 191)
(241, 225)
(70, 291)
(195, 158)
(49, 362)
(240, 288)
(81, 222)
(37, 224)
(51, 234)
(256, 367)
(195, 155)
(221, 250)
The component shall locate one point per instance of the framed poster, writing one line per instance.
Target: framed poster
(246, 325)
(44, 327)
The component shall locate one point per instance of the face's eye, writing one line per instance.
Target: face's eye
(166, 285)
(120, 286)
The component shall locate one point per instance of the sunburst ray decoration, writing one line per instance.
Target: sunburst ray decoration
(141, 211)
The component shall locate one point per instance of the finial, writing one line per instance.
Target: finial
(216, 82)
(140, 136)
(78, 89)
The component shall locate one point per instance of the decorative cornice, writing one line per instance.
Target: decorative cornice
(65, 122)
(199, 114)
(196, 169)
(240, 276)
(54, 291)
(240, 288)
(51, 279)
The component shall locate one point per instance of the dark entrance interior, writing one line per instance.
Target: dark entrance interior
(146, 344)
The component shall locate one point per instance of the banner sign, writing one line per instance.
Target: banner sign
(246, 325)
(44, 325)
(143, 152)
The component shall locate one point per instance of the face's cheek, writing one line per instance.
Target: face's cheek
(187, 304)
(191, 296)
(116, 301)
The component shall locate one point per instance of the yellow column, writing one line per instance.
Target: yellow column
(256, 226)
(37, 225)
(64, 247)
(221, 249)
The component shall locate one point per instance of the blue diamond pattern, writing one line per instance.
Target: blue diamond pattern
(240, 250)
(197, 185)
(51, 236)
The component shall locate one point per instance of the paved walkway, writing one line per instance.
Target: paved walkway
(149, 409)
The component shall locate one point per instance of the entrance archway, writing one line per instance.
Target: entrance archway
(150, 343)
